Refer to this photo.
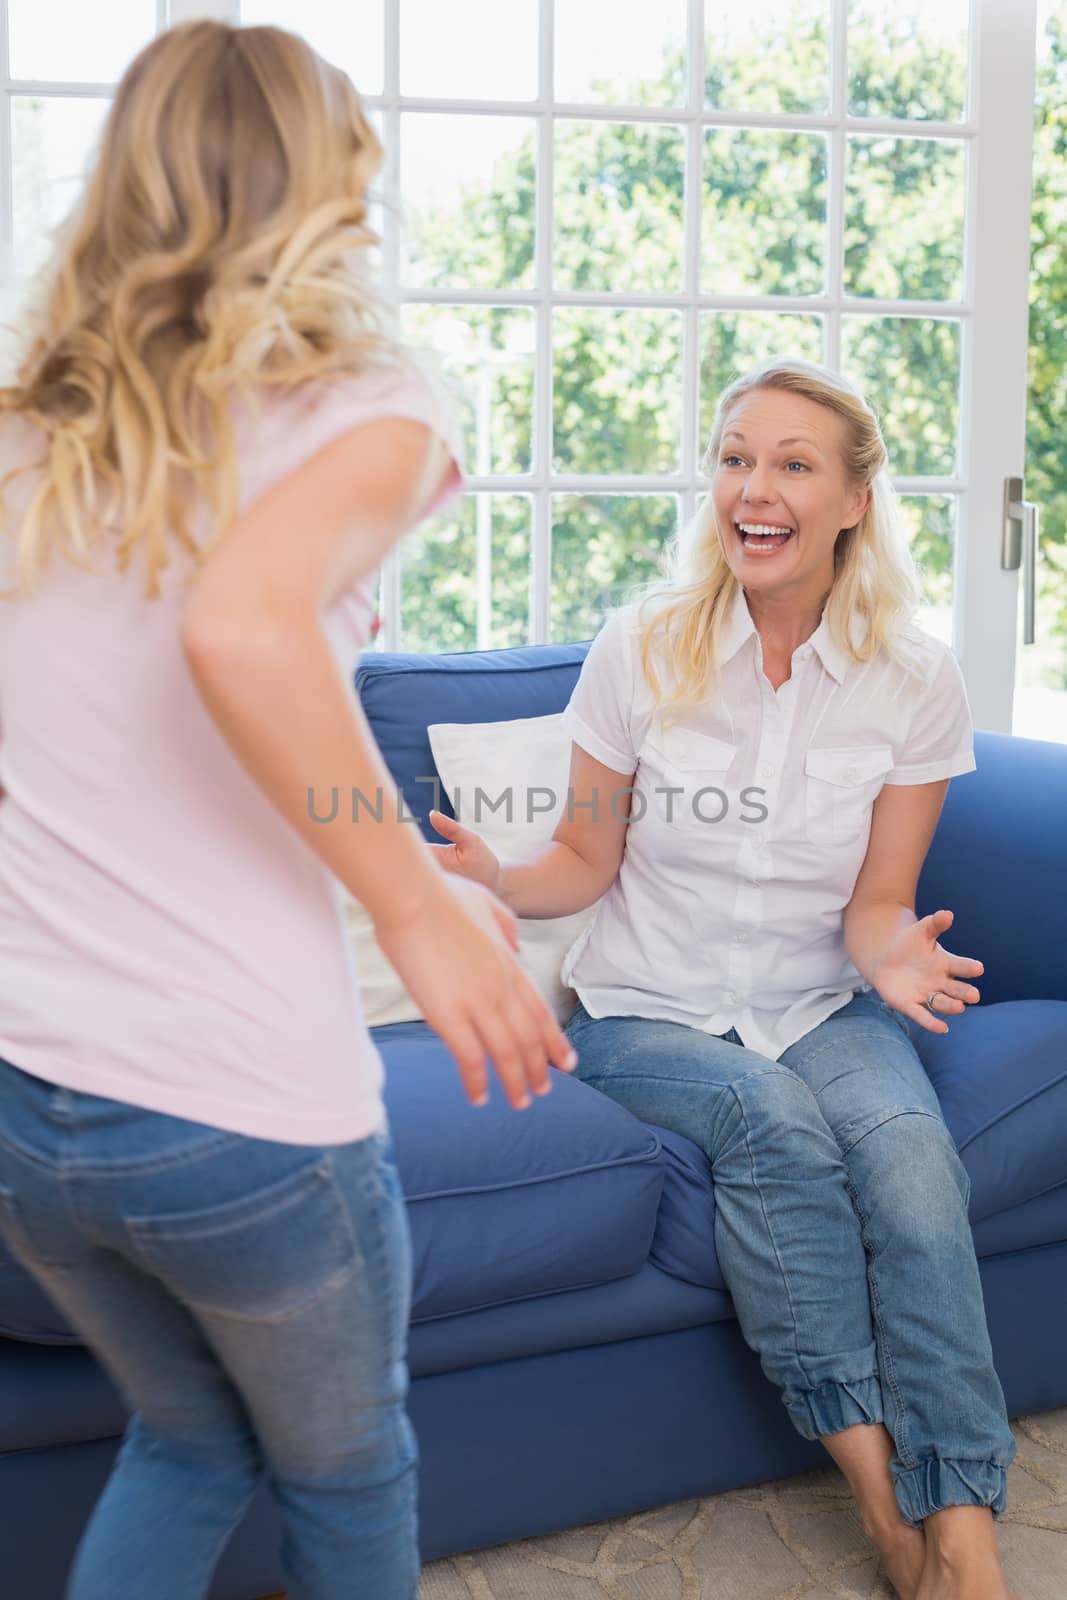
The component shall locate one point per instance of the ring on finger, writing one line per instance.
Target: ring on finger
(929, 1001)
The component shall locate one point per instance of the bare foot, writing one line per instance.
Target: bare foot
(955, 1590)
(962, 1557)
(903, 1553)
(975, 1580)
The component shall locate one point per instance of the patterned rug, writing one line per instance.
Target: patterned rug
(795, 1538)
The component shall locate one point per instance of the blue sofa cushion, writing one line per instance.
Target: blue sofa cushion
(1001, 1078)
(507, 1205)
(684, 1242)
(404, 694)
(1036, 1224)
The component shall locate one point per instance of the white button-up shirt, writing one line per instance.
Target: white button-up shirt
(749, 824)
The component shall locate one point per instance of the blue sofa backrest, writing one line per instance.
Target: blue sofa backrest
(999, 856)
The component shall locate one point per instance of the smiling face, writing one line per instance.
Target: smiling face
(782, 495)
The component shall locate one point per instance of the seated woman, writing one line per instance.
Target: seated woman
(761, 749)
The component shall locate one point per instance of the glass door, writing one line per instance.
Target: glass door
(953, 397)
(1041, 674)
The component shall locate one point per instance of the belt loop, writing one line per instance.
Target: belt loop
(61, 1104)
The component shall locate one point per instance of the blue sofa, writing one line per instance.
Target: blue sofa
(574, 1353)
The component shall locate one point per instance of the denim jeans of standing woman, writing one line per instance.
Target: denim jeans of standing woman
(250, 1299)
(841, 1231)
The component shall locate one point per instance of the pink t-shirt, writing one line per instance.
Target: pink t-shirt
(166, 938)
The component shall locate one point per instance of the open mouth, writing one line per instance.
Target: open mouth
(763, 538)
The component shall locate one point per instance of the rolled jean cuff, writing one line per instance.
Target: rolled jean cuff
(835, 1405)
(937, 1483)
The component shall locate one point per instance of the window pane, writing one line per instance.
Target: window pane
(617, 391)
(768, 55)
(469, 49)
(764, 213)
(481, 541)
(904, 219)
(908, 59)
(351, 36)
(619, 206)
(601, 546)
(439, 581)
(930, 523)
(621, 52)
(909, 370)
(512, 522)
(487, 356)
(733, 342)
(53, 146)
(468, 184)
(68, 40)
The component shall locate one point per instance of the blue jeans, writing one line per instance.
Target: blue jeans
(250, 1299)
(841, 1230)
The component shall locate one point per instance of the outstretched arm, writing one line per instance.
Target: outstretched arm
(896, 951)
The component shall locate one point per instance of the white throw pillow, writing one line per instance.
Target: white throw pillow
(523, 757)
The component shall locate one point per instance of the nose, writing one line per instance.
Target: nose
(756, 486)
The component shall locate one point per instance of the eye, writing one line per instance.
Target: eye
(726, 460)
(803, 464)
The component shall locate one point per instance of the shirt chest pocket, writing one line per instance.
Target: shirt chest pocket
(840, 787)
(693, 766)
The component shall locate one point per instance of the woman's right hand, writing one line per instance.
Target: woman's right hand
(453, 956)
(466, 854)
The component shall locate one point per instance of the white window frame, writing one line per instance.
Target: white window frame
(993, 313)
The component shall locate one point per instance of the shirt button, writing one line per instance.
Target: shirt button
(767, 770)
(731, 995)
(741, 937)
(852, 773)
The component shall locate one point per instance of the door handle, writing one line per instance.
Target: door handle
(1019, 547)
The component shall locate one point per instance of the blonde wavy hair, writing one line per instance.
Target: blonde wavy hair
(875, 577)
(219, 247)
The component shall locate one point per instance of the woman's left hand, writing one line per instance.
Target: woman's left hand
(915, 968)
